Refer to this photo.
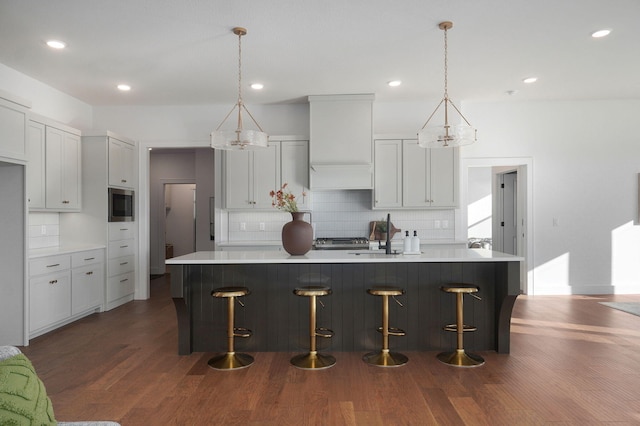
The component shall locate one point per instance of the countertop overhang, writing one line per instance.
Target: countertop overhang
(342, 256)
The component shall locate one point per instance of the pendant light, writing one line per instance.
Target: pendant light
(447, 135)
(240, 138)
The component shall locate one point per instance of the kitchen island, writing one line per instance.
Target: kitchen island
(279, 319)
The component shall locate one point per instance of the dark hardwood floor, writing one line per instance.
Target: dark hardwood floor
(573, 361)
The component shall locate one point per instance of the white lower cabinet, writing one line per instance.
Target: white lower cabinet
(64, 288)
(87, 280)
(121, 264)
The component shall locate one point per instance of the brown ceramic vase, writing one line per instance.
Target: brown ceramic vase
(297, 235)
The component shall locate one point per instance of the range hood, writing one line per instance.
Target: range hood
(340, 146)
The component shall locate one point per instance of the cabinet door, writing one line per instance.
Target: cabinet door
(294, 170)
(387, 173)
(13, 125)
(35, 165)
(121, 164)
(237, 184)
(50, 299)
(443, 166)
(62, 170)
(266, 175)
(415, 172)
(87, 284)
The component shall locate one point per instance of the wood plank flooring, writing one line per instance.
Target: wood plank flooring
(573, 361)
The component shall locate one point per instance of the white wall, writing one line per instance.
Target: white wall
(46, 100)
(585, 165)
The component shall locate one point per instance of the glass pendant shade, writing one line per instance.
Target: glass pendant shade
(446, 136)
(240, 138)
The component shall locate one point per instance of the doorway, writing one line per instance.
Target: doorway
(509, 210)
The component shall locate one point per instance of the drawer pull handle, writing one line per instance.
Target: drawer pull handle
(53, 281)
(53, 266)
(124, 229)
(124, 263)
(90, 273)
(125, 280)
(89, 258)
(124, 246)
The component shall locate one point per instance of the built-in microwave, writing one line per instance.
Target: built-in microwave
(121, 202)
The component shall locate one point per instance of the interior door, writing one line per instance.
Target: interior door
(509, 212)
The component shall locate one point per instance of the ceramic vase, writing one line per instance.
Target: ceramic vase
(297, 235)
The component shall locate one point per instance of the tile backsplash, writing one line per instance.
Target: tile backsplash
(44, 230)
(342, 214)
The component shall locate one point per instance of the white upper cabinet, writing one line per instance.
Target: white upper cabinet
(53, 166)
(121, 164)
(36, 165)
(409, 176)
(62, 170)
(13, 123)
(294, 171)
(250, 176)
(388, 173)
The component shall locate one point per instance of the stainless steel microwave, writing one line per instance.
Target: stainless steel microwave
(121, 205)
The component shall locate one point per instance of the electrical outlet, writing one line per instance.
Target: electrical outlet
(43, 230)
(436, 224)
(243, 226)
(262, 227)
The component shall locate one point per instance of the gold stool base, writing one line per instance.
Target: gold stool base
(313, 361)
(460, 358)
(230, 361)
(385, 359)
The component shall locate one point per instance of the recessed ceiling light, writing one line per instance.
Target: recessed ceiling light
(124, 87)
(56, 44)
(600, 33)
(530, 80)
(394, 83)
(257, 86)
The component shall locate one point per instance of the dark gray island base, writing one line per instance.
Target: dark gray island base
(279, 319)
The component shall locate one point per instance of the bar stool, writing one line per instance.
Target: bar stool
(459, 357)
(232, 360)
(313, 360)
(385, 358)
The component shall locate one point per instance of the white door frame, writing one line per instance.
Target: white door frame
(524, 165)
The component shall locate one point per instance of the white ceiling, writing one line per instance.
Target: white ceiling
(178, 52)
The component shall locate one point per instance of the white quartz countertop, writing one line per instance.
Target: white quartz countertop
(64, 249)
(434, 254)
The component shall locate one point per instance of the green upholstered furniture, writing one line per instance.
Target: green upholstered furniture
(23, 396)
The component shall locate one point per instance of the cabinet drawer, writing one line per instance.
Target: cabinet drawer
(121, 265)
(121, 248)
(121, 231)
(120, 286)
(46, 265)
(88, 257)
